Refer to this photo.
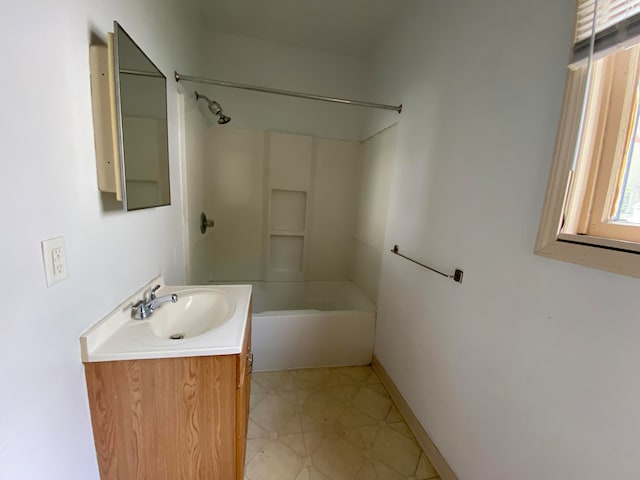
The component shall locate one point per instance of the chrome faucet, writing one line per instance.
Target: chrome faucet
(144, 308)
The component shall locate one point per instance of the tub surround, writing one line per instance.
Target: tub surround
(311, 324)
(119, 337)
(311, 338)
(313, 209)
(324, 296)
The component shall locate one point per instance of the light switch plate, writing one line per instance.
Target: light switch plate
(54, 256)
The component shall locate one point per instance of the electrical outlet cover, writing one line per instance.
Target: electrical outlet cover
(54, 256)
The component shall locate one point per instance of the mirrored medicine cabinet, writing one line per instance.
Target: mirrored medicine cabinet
(129, 96)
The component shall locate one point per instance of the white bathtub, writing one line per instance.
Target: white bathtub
(311, 324)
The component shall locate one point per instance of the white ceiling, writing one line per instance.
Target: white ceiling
(347, 27)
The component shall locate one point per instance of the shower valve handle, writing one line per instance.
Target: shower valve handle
(205, 223)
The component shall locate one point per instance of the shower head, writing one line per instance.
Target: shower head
(215, 108)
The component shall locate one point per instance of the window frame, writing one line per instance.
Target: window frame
(613, 110)
(616, 256)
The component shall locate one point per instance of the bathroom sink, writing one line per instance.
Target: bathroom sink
(196, 312)
(205, 320)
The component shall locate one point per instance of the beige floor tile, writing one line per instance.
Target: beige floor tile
(295, 442)
(255, 399)
(352, 435)
(290, 396)
(329, 424)
(303, 475)
(274, 462)
(373, 378)
(288, 384)
(272, 412)
(425, 470)
(362, 418)
(345, 420)
(396, 451)
(323, 408)
(310, 425)
(256, 387)
(293, 425)
(315, 474)
(271, 380)
(369, 434)
(394, 415)
(312, 440)
(333, 379)
(385, 473)
(344, 393)
(303, 394)
(311, 377)
(354, 375)
(254, 446)
(338, 458)
(256, 431)
(372, 403)
(402, 428)
(367, 472)
(379, 388)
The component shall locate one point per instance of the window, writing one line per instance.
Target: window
(592, 209)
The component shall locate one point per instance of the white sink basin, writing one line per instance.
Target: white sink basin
(206, 320)
(196, 312)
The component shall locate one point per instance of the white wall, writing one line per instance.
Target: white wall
(249, 60)
(49, 188)
(528, 369)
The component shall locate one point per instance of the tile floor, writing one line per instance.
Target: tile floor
(329, 424)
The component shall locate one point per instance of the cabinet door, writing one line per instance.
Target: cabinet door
(245, 366)
(164, 419)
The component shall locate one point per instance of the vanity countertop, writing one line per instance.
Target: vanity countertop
(120, 337)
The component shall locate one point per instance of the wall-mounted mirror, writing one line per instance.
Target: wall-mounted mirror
(142, 91)
(130, 122)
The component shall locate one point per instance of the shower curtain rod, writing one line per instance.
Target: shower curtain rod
(288, 93)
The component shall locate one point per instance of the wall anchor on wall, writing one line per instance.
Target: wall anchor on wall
(205, 223)
(457, 275)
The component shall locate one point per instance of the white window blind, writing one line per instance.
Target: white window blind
(610, 12)
(617, 22)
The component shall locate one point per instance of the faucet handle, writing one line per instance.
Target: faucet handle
(152, 295)
(140, 310)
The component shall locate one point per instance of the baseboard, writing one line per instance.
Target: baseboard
(423, 438)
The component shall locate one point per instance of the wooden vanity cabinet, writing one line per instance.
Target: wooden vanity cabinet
(171, 418)
(245, 367)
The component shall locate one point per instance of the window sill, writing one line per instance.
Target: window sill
(608, 255)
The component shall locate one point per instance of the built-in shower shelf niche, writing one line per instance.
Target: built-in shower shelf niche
(288, 192)
(288, 211)
(288, 221)
(288, 233)
(286, 254)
